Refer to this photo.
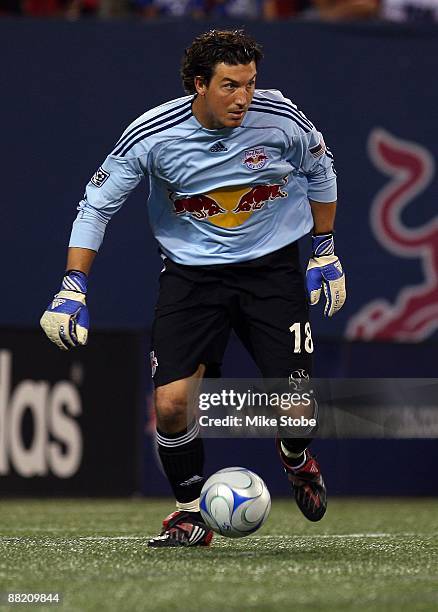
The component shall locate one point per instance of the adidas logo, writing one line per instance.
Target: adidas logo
(57, 302)
(191, 481)
(218, 148)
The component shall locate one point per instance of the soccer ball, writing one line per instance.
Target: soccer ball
(235, 502)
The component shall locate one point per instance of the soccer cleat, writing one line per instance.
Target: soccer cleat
(183, 529)
(307, 484)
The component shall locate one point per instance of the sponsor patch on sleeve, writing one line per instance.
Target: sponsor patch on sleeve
(99, 177)
(318, 149)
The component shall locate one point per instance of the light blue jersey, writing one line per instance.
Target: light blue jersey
(216, 196)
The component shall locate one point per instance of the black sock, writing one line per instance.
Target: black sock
(297, 446)
(182, 456)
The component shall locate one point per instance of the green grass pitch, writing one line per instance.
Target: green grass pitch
(365, 555)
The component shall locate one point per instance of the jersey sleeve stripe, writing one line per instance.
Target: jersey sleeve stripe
(148, 132)
(286, 114)
(284, 105)
(152, 121)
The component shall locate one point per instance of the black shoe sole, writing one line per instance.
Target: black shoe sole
(174, 544)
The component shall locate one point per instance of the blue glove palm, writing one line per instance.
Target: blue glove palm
(66, 319)
(325, 272)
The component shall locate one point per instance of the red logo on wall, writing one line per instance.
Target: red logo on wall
(413, 315)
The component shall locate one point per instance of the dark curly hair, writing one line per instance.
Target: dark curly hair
(213, 47)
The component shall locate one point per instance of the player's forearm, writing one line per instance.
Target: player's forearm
(80, 259)
(323, 216)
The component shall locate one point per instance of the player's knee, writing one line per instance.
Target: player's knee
(170, 408)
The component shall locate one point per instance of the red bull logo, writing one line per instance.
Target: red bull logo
(255, 159)
(200, 206)
(414, 314)
(256, 197)
(229, 206)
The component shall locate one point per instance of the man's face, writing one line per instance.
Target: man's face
(225, 100)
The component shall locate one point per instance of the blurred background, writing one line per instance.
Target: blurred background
(74, 74)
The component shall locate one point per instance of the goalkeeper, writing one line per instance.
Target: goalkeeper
(237, 176)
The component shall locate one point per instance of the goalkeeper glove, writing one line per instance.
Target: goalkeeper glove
(66, 318)
(325, 271)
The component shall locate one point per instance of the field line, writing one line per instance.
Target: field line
(261, 537)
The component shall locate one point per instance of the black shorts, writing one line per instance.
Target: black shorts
(263, 300)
